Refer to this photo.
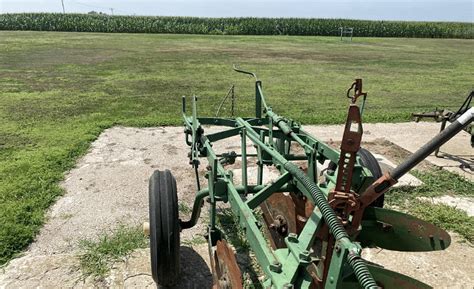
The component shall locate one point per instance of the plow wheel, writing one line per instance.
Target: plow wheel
(368, 160)
(164, 228)
(227, 272)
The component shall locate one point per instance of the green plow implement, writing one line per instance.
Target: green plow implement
(306, 227)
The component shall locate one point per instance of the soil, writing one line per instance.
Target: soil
(108, 187)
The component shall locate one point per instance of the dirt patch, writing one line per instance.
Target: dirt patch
(109, 187)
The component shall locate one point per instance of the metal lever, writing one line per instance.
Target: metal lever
(357, 87)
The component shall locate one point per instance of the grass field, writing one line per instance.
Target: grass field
(60, 90)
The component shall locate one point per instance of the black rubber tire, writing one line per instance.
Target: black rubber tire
(164, 228)
(369, 161)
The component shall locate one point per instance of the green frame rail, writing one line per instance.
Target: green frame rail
(272, 135)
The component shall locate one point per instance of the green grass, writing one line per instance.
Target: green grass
(195, 241)
(436, 183)
(445, 217)
(184, 208)
(229, 224)
(60, 90)
(235, 235)
(98, 256)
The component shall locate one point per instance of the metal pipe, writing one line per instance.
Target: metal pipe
(183, 109)
(198, 201)
(262, 100)
(244, 159)
(286, 129)
(260, 161)
(455, 127)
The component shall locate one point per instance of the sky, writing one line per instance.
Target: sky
(417, 10)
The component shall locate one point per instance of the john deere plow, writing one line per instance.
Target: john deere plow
(307, 227)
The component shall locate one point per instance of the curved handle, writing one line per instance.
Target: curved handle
(237, 68)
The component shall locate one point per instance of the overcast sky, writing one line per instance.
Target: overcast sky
(422, 10)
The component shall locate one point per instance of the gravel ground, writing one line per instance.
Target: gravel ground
(109, 186)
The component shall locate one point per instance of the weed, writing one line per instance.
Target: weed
(436, 183)
(251, 270)
(98, 256)
(229, 223)
(446, 217)
(184, 208)
(195, 241)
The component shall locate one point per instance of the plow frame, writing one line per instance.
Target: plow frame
(283, 266)
(272, 136)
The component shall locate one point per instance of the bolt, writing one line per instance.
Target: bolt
(275, 267)
(293, 238)
(305, 256)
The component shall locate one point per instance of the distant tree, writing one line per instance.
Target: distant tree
(96, 13)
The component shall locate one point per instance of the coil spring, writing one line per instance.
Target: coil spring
(337, 229)
(361, 271)
(328, 213)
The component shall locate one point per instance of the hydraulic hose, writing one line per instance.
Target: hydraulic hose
(335, 226)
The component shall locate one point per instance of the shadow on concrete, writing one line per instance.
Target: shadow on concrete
(466, 162)
(195, 273)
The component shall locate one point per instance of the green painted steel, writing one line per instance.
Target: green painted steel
(286, 267)
(394, 230)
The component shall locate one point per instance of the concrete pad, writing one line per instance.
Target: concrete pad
(411, 136)
(109, 187)
(450, 268)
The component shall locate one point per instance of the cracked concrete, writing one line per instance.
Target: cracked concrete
(109, 186)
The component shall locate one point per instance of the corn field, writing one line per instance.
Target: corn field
(231, 26)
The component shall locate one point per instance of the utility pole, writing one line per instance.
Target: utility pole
(62, 3)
